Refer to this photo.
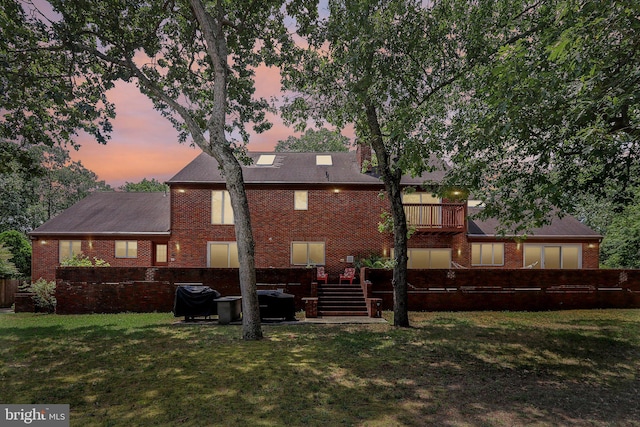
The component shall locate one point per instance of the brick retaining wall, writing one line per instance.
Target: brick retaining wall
(134, 289)
(518, 289)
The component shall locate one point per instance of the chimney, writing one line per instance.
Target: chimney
(363, 156)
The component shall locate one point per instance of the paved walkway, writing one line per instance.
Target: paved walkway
(326, 320)
(344, 320)
(6, 310)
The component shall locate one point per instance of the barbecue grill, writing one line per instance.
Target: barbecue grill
(195, 301)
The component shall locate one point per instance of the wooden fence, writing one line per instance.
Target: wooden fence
(8, 289)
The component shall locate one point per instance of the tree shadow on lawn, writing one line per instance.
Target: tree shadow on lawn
(443, 373)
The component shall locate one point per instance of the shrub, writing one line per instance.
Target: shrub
(81, 260)
(45, 294)
(375, 261)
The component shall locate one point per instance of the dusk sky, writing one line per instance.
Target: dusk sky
(144, 144)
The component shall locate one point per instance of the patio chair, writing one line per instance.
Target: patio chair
(349, 274)
(322, 276)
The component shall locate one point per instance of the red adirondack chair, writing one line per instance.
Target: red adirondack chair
(349, 274)
(322, 276)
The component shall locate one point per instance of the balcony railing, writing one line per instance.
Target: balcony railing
(442, 217)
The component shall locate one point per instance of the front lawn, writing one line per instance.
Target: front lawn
(572, 368)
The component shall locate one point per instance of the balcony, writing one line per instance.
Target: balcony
(442, 218)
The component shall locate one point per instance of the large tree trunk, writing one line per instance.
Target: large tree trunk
(391, 178)
(251, 326)
(220, 148)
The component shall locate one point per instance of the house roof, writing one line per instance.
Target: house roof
(290, 168)
(565, 227)
(113, 213)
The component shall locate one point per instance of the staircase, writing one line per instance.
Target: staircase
(341, 300)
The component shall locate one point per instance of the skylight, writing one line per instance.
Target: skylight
(266, 159)
(324, 160)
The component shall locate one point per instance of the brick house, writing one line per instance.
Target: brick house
(307, 209)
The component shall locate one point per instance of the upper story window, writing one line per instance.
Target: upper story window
(266, 160)
(301, 200)
(126, 249)
(420, 198)
(221, 210)
(69, 248)
(324, 160)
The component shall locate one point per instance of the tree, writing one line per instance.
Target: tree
(553, 118)
(621, 246)
(20, 248)
(44, 98)
(63, 183)
(7, 268)
(145, 185)
(38, 182)
(322, 140)
(195, 60)
(386, 66)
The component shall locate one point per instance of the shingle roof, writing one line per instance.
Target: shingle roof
(113, 213)
(289, 168)
(564, 227)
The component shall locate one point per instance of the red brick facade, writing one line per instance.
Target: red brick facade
(344, 218)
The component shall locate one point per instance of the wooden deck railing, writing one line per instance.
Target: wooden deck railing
(436, 217)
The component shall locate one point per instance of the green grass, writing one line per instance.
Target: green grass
(573, 368)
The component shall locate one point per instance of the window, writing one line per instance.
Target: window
(222, 255)
(307, 253)
(429, 258)
(266, 160)
(161, 254)
(69, 248)
(126, 249)
(301, 200)
(428, 213)
(221, 210)
(487, 254)
(553, 256)
(324, 160)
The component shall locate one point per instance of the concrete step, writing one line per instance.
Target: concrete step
(341, 300)
(341, 313)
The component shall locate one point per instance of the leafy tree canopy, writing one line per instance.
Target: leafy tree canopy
(20, 248)
(554, 117)
(48, 95)
(322, 140)
(35, 190)
(621, 246)
(148, 186)
(7, 267)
